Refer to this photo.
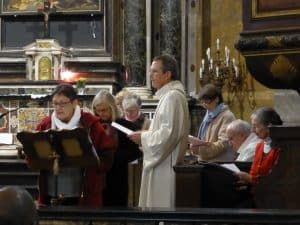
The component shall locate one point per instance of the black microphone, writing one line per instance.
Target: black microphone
(7, 112)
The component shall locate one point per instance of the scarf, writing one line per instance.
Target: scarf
(73, 123)
(209, 116)
(267, 145)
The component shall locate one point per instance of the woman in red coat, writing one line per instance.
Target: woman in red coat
(75, 185)
(265, 155)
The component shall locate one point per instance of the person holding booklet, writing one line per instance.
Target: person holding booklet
(211, 144)
(164, 143)
(75, 185)
(115, 192)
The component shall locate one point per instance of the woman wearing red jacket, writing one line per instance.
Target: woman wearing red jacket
(75, 185)
(265, 155)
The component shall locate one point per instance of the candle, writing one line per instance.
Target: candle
(236, 69)
(208, 53)
(218, 44)
(217, 71)
(200, 73)
(202, 64)
(233, 61)
(227, 51)
(211, 62)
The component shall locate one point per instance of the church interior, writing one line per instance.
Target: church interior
(248, 48)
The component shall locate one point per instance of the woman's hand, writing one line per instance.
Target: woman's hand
(244, 180)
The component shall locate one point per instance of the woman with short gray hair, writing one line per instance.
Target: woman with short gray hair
(132, 111)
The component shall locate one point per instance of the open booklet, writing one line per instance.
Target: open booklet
(73, 147)
(231, 166)
(121, 128)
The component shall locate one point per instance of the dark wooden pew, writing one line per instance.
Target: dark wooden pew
(176, 215)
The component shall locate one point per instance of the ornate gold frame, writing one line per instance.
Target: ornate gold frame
(279, 13)
(21, 7)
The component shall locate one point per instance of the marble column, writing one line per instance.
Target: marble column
(135, 42)
(170, 28)
(135, 46)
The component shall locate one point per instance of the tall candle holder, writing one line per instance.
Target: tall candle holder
(223, 71)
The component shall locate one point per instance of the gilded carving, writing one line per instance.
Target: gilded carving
(44, 45)
(45, 68)
(283, 69)
(274, 41)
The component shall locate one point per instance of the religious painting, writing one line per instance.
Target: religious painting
(34, 6)
(275, 8)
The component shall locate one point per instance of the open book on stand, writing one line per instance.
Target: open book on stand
(73, 147)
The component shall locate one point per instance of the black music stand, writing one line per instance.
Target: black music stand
(53, 149)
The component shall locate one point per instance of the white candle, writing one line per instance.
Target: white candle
(233, 62)
(202, 64)
(211, 62)
(200, 73)
(236, 69)
(208, 53)
(217, 71)
(218, 44)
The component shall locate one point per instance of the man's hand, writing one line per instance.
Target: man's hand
(135, 137)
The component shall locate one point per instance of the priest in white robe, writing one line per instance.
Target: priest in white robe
(166, 141)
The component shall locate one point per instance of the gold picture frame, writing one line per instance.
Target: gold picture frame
(267, 8)
(61, 6)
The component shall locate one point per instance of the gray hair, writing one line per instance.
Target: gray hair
(132, 100)
(240, 126)
(266, 116)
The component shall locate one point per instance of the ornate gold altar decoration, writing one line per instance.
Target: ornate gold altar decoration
(45, 68)
(229, 73)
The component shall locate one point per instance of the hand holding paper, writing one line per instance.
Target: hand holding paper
(194, 142)
(121, 128)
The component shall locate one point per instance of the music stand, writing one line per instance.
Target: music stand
(53, 149)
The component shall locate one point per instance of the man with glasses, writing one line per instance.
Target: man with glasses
(75, 186)
(164, 144)
(242, 140)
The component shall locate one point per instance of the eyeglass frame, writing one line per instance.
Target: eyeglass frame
(61, 104)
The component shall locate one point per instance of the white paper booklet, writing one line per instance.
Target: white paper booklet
(6, 138)
(231, 166)
(121, 128)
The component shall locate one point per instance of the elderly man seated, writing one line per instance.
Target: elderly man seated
(242, 140)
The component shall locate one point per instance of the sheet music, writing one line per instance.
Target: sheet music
(6, 138)
(231, 166)
(121, 128)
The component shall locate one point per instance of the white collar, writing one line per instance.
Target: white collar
(73, 123)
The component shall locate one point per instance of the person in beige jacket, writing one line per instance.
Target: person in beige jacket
(212, 142)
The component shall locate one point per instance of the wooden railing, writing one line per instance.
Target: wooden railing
(178, 215)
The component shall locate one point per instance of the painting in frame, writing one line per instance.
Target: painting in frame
(274, 8)
(63, 6)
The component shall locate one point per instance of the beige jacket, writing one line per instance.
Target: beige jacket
(218, 150)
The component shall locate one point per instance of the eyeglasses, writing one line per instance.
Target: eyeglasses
(206, 101)
(60, 104)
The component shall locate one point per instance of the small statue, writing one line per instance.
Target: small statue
(46, 10)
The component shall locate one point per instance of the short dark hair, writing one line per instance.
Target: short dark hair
(17, 207)
(266, 116)
(168, 63)
(65, 89)
(210, 92)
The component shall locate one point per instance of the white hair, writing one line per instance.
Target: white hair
(240, 126)
(132, 100)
